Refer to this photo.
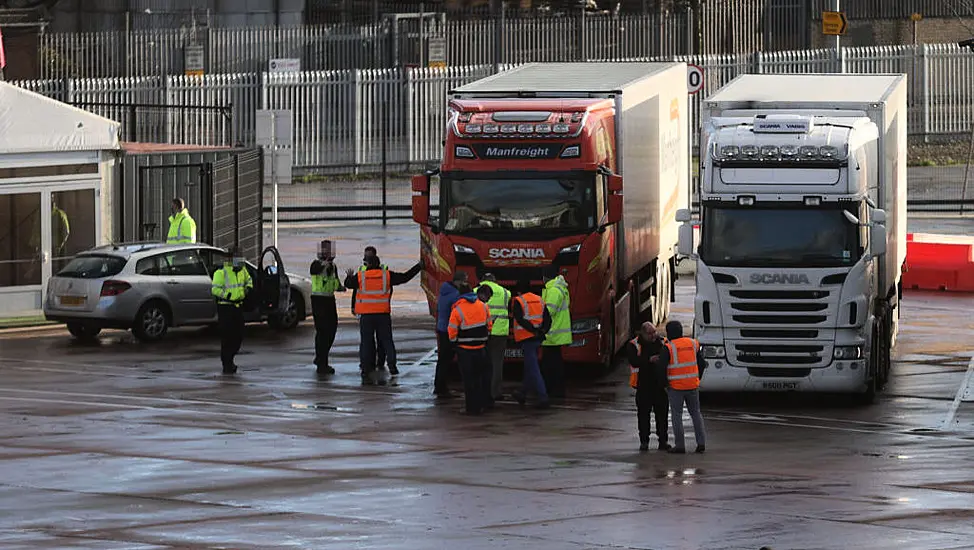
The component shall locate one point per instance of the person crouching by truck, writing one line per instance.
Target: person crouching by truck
(469, 327)
(532, 321)
(648, 378)
(684, 367)
(324, 285)
(450, 292)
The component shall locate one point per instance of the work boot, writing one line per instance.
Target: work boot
(677, 451)
(393, 370)
(519, 397)
(367, 378)
(701, 449)
(644, 446)
(324, 370)
(663, 446)
(229, 369)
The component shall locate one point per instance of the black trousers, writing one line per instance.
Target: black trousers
(475, 370)
(372, 327)
(325, 314)
(444, 359)
(652, 402)
(231, 325)
(553, 370)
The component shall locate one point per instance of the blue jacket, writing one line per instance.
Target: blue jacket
(444, 305)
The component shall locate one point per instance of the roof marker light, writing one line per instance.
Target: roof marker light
(749, 150)
(561, 128)
(491, 128)
(473, 128)
(508, 128)
(789, 150)
(543, 128)
(525, 128)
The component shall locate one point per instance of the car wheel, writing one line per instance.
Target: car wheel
(291, 316)
(84, 331)
(151, 322)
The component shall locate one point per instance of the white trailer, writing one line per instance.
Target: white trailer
(802, 232)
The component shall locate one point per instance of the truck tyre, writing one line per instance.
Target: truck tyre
(663, 284)
(868, 397)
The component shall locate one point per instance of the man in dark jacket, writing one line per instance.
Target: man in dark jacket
(649, 375)
(450, 292)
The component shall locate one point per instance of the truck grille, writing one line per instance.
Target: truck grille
(785, 354)
(780, 294)
(780, 319)
(773, 333)
(779, 307)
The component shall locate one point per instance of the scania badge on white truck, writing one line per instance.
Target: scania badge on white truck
(802, 232)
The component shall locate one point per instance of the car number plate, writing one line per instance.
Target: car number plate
(72, 300)
(780, 386)
(514, 353)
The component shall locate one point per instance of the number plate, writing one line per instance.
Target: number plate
(514, 353)
(72, 300)
(780, 386)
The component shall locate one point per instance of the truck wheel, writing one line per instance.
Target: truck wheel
(661, 301)
(885, 348)
(868, 397)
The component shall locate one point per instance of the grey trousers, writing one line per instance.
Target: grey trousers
(495, 357)
(692, 399)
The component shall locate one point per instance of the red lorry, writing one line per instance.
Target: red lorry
(577, 165)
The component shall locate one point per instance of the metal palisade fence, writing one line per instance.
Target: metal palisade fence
(397, 41)
(339, 114)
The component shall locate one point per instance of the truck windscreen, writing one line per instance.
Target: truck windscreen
(735, 236)
(559, 204)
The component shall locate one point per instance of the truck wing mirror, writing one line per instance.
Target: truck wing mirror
(877, 240)
(615, 183)
(421, 209)
(879, 216)
(421, 183)
(614, 214)
(684, 243)
(683, 215)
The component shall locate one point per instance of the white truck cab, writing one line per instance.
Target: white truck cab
(798, 265)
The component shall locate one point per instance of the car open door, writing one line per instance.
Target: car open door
(273, 285)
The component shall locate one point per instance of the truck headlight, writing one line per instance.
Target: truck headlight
(463, 249)
(712, 352)
(572, 249)
(585, 325)
(847, 352)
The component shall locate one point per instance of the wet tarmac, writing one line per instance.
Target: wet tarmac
(124, 445)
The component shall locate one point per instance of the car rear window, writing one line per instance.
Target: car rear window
(92, 267)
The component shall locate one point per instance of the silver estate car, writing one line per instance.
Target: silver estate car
(150, 287)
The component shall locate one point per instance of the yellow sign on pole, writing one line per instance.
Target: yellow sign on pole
(834, 23)
(916, 17)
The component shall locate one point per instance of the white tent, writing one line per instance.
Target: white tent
(56, 166)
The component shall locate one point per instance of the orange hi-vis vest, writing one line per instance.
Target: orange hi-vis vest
(633, 370)
(469, 324)
(682, 372)
(374, 292)
(533, 308)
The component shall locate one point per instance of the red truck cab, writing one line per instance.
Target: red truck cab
(524, 184)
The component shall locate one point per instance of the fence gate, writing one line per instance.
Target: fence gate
(159, 184)
(238, 203)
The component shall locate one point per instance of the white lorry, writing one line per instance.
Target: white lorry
(802, 232)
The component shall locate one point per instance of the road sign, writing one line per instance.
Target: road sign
(275, 128)
(916, 17)
(694, 78)
(286, 65)
(834, 23)
(193, 60)
(437, 51)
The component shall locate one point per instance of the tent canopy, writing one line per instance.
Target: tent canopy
(33, 123)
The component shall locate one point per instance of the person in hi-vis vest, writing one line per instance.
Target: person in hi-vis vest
(182, 227)
(230, 287)
(684, 367)
(373, 306)
(558, 302)
(324, 284)
(499, 304)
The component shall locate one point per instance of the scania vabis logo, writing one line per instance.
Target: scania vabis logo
(515, 253)
(780, 278)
